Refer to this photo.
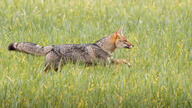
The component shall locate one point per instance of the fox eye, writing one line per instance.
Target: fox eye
(121, 40)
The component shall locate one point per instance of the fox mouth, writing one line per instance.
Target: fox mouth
(129, 46)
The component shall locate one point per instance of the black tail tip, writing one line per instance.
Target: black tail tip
(11, 47)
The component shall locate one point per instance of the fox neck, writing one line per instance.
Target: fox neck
(107, 45)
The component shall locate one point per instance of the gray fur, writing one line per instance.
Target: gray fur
(61, 54)
(85, 53)
(30, 48)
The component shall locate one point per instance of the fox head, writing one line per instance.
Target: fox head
(120, 40)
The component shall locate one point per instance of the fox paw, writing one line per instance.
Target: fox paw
(122, 61)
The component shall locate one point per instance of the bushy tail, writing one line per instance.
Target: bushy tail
(30, 48)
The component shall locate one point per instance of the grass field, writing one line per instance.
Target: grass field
(161, 72)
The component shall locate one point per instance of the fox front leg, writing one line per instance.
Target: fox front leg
(120, 61)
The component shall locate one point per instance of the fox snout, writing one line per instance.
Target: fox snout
(129, 46)
(124, 44)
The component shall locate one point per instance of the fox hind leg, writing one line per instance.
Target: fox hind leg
(52, 60)
(54, 65)
(47, 67)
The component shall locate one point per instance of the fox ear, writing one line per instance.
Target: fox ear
(114, 36)
(119, 32)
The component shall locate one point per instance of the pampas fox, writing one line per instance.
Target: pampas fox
(93, 53)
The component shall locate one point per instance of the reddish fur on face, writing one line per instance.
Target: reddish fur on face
(118, 40)
(118, 36)
(114, 38)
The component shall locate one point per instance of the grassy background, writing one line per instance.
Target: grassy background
(161, 72)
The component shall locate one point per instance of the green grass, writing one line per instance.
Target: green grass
(161, 72)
